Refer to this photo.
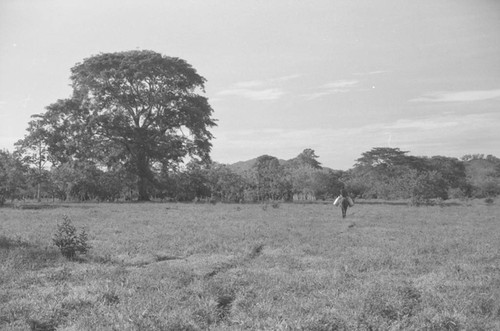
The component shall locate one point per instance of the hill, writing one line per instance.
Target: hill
(242, 166)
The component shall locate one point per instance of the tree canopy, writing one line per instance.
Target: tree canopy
(307, 158)
(136, 108)
(12, 178)
(381, 156)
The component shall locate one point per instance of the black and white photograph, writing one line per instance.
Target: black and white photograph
(249, 165)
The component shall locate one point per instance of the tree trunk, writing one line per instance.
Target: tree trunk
(142, 187)
(40, 168)
(38, 193)
(143, 174)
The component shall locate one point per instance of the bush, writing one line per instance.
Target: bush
(489, 201)
(428, 186)
(457, 193)
(69, 242)
(487, 188)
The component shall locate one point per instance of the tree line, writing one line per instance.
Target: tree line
(381, 173)
(137, 127)
(301, 178)
(389, 173)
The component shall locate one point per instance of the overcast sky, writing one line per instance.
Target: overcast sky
(337, 76)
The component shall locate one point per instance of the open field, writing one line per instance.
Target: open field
(174, 266)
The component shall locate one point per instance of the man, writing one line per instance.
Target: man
(345, 202)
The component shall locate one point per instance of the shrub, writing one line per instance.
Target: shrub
(489, 201)
(457, 193)
(489, 187)
(428, 186)
(69, 242)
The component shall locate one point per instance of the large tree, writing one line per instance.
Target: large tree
(12, 176)
(33, 152)
(137, 107)
(271, 179)
(382, 157)
(451, 169)
(306, 158)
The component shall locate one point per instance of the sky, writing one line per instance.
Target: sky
(337, 76)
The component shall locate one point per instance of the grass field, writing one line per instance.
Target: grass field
(157, 266)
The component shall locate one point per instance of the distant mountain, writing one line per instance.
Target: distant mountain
(242, 166)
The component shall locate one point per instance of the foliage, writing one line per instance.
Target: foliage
(33, 152)
(472, 157)
(452, 170)
(388, 173)
(427, 186)
(382, 173)
(487, 187)
(308, 182)
(69, 241)
(82, 181)
(136, 108)
(382, 157)
(226, 185)
(146, 103)
(12, 177)
(307, 158)
(483, 175)
(271, 180)
(193, 183)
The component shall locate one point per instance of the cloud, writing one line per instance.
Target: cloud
(451, 135)
(286, 78)
(253, 94)
(430, 128)
(259, 90)
(339, 86)
(251, 83)
(423, 124)
(461, 96)
(375, 72)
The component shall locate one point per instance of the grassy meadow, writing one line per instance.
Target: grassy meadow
(172, 266)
